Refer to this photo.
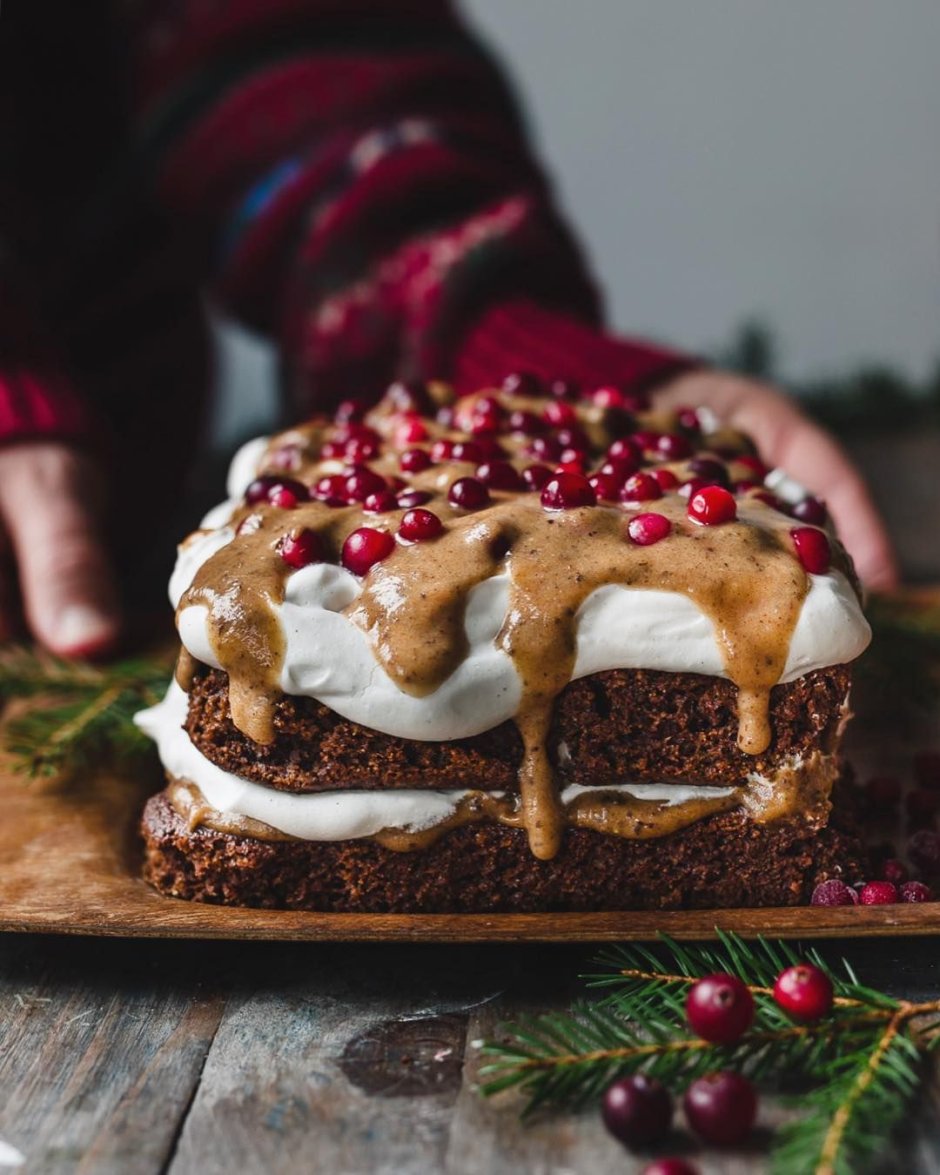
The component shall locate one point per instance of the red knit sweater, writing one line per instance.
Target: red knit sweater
(349, 177)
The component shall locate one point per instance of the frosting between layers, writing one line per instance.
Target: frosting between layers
(328, 657)
(347, 815)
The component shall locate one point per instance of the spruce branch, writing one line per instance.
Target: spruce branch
(79, 715)
(862, 1062)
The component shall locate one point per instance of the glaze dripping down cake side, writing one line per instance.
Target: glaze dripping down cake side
(512, 651)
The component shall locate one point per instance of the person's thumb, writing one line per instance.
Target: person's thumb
(49, 498)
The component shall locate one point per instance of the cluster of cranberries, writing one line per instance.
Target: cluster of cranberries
(630, 472)
(719, 1107)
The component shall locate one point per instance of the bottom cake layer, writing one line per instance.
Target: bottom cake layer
(722, 861)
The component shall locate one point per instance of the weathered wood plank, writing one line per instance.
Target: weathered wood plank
(102, 1046)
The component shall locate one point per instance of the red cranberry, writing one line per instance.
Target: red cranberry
(690, 488)
(710, 470)
(411, 431)
(621, 468)
(467, 451)
(916, 891)
(670, 1166)
(414, 461)
(526, 423)
(688, 419)
(331, 450)
(712, 506)
(442, 450)
(719, 1008)
(921, 806)
(409, 397)
(894, 871)
(571, 462)
(560, 414)
(419, 525)
(605, 486)
(468, 494)
(721, 1107)
(566, 491)
(522, 383)
(623, 449)
(544, 448)
(757, 467)
(645, 440)
(490, 448)
(883, 792)
(500, 475)
(573, 438)
(258, 490)
(410, 498)
(666, 478)
(923, 849)
(673, 447)
(810, 510)
(380, 503)
(301, 547)
(641, 487)
(833, 893)
(365, 547)
(331, 489)
(350, 410)
(284, 497)
(361, 483)
(804, 992)
(563, 389)
(361, 449)
(927, 768)
(812, 548)
(535, 476)
(637, 1110)
(487, 417)
(646, 529)
(878, 893)
(609, 397)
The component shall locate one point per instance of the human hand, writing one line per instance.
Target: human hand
(786, 438)
(50, 506)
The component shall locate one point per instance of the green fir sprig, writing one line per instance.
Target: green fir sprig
(82, 716)
(862, 1063)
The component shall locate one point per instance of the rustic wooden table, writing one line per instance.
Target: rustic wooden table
(201, 1057)
(194, 1058)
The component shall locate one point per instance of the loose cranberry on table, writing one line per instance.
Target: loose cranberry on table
(419, 525)
(670, 1166)
(834, 893)
(804, 992)
(721, 1107)
(365, 547)
(719, 1008)
(712, 505)
(468, 493)
(567, 491)
(812, 549)
(637, 1110)
(878, 893)
(301, 547)
(647, 529)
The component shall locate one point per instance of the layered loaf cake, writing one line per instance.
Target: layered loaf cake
(524, 650)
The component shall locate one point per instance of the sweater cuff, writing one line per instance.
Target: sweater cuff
(520, 335)
(42, 406)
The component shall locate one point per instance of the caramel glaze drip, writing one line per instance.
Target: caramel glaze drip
(743, 575)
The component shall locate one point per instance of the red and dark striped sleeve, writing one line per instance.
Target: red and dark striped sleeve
(356, 179)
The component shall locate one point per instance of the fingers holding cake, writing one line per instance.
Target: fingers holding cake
(787, 439)
(50, 507)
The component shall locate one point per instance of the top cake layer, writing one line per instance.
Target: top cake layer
(432, 567)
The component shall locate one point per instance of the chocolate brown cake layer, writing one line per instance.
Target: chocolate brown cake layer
(722, 861)
(637, 725)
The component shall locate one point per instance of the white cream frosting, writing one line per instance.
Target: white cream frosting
(329, 658)
(331, 816)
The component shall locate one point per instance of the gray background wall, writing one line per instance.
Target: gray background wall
(726, 158)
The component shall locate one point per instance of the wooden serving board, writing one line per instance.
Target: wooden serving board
(70, 864)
